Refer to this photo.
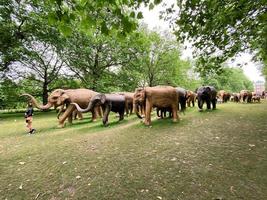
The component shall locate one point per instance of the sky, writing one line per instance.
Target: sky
(251, 69)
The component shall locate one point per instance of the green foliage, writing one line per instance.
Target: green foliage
(221, 29)
(230, 79)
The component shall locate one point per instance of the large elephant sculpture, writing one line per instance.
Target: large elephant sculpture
(206, 94)
(190, 98)
(61, 97)
(160, 97)
(108, 102)
(245, 96)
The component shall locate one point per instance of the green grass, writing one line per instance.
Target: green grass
(220, 154)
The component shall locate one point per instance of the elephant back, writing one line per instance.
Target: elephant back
(80, 96)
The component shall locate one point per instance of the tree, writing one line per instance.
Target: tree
(222, 29)
(12, 20)
(230, 79)
(43, 64)
(95, 59)
(108, 16)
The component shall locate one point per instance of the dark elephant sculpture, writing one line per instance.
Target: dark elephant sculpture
(206, 94)
(128, 101)
(182, 93)
(108, 102)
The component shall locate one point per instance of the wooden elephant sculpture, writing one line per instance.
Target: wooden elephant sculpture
(159, 96)
(60, 97)
(206, 94)
(108, 102)
(191, 98)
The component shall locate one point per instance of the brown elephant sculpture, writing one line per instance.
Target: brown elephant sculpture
(191, 98)
(159, 96)
(60, 97)
(224, 96)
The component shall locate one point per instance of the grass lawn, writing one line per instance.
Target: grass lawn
(215, 155)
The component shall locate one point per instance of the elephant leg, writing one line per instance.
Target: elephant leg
(71, 116)
(126, 108)
(80, 115)
(148, 113)
(61, 110)
(131, 108)
(121, 113)
(75, 113)
(158, 112)
(200, 104)
(214, 104)
(106, 114)
(208, 103)
(95, 113)
(175, 116)
(66, 114)
(143, 109)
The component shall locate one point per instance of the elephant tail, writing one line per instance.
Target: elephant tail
(81, 109)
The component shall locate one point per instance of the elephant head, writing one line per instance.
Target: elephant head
(203, 94)
(96, 100)
(139, 100)
(57, 98)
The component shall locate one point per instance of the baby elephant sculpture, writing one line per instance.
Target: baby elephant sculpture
(108, 102)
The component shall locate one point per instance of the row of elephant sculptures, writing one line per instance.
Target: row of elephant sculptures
(142, 101)
(242, 96)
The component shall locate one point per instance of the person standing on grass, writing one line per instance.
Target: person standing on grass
(28, 116)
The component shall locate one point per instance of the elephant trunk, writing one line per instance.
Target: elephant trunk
(89, 107)
(136, 110)
(35, 104)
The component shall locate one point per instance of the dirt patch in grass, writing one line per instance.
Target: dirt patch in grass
(210, 155)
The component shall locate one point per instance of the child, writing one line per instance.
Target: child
(28, 116)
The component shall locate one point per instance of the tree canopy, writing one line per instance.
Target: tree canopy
(222, 29)
(101, 46)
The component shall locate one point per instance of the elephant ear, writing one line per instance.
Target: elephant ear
(64, 97)
(102, 98)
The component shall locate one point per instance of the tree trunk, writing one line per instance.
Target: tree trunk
(45, 93)
(45, 88)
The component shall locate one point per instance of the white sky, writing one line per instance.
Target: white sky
(151, 18)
